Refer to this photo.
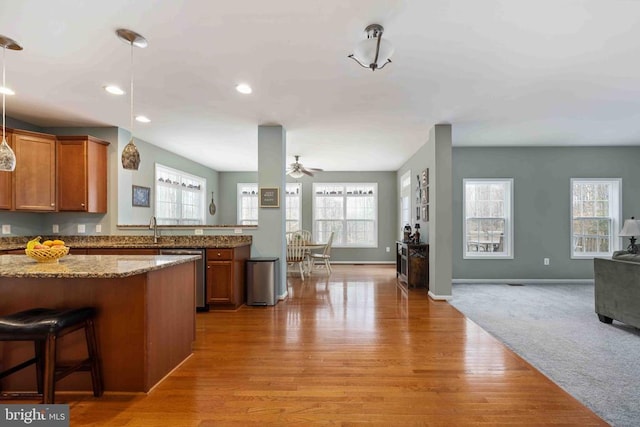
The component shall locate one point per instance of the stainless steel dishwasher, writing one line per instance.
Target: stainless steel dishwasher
(201, 283)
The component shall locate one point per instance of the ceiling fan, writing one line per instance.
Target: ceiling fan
(297, 170)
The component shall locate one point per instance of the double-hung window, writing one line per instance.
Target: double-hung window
(180, 197)
(350, 210)
(248, 205)
(595, 217)
(488, 223)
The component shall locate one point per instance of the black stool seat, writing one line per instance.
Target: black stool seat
(37, 323)
(44, 326)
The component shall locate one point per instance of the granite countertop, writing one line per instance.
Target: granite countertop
(89, 266)
(95, 241)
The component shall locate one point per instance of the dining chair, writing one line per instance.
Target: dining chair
(297, 254)
(325, 256)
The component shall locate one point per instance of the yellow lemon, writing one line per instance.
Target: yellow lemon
(48, 243)
(57, 243)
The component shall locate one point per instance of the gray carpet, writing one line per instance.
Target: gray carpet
(554, 327)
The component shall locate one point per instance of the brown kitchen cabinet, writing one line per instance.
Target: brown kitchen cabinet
(226, 277)
(82, 174)
(6, 181)
(35, 175)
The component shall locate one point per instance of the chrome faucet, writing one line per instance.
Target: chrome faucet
(153, 225)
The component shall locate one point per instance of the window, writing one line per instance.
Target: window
(488, 225)
(248, 205)
(180, 197)
(293, 206)
(349, 210)
(405, 201)
(595, 217)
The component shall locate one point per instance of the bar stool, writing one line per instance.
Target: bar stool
(44, 326)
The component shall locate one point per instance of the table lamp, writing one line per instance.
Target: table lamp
(631, 229)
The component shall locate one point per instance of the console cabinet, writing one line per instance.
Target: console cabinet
(412, 264)
(82, 174)
(226, 277)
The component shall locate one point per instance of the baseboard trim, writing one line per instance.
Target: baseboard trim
(363, 262)
(523, 281)
(439, 297)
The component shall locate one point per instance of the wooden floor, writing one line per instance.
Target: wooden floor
(346, 350)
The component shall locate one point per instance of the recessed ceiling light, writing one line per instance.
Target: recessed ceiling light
(114, 90)
(142, 119)
(5, 90)
(244, 88)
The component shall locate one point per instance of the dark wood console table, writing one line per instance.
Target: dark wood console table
(412, 264)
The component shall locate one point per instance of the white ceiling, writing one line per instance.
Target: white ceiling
(502, 72)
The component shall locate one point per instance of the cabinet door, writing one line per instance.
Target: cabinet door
(34, 177)
(82, 174)
(72, 175)
(6, 184)
(220, 283)
(122, 251)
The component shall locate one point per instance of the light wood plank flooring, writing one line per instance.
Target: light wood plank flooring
(345, 350)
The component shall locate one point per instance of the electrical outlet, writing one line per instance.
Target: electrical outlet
(98, 228)
(55, 228)
(6, 229)
(237, 230)
(546, 261)
(81, 228)
(198, 231)
(388, 249)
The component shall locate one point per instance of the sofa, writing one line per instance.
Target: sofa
(617, 288)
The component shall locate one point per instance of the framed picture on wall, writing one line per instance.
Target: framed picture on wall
(270, 197)
(140, 196)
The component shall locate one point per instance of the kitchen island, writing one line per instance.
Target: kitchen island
(146, 319)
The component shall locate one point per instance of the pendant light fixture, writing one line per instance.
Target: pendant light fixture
(130, 154)
(373, 52)
(7, 156)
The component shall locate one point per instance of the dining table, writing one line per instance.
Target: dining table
(308, 247)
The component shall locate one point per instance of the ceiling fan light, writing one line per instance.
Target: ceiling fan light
(296, 174)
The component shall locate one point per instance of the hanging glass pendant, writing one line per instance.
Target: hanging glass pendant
(7, 157)
(130, 156)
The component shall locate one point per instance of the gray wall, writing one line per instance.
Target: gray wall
(387, 208)
(541, 205)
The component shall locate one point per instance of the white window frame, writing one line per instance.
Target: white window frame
(341, 191)
(615, 216)
(293, 206)
(508, 237)
(293, 191)
(405, 202)
(183, 178)
(250, 196)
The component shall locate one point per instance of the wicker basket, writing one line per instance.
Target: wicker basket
(47, 255)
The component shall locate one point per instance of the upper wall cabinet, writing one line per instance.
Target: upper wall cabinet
(34, 177)
(82, 174)
(6, 182)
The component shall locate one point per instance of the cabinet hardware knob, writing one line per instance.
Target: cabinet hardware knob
(82, 204)
(53, 204)
(219, 254)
